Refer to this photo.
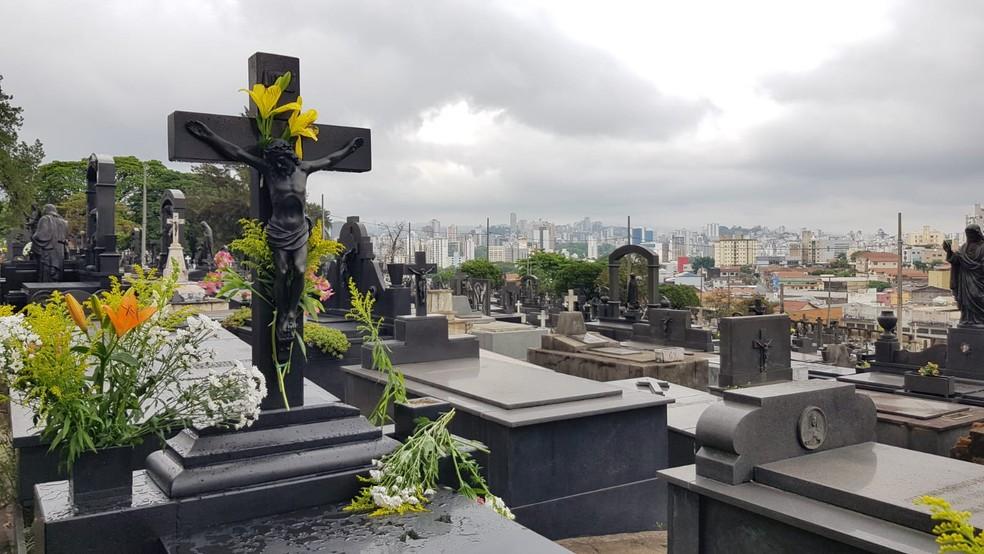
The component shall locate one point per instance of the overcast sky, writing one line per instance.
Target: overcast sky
(831, 115)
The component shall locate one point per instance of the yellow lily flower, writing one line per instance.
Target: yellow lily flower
(75, 310)
(266, 98)
(302, 125)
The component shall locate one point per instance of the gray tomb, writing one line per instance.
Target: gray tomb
(575, 431)
(792, 467)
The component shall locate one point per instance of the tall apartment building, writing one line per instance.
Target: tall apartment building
(926, 237)
(592, 248)
(735, 252)
(437, 252)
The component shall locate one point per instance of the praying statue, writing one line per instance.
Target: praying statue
(632, 293)
(49, 243)
(967, 277)
(284, 176)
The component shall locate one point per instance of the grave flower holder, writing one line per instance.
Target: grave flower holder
(102, 480)
(406, 414)
(940, 385)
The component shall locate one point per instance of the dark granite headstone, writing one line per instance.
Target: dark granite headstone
(754, 349)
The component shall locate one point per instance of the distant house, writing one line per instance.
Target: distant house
(872, 262)
(928, 294)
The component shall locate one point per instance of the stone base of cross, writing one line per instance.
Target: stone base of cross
(176, 259)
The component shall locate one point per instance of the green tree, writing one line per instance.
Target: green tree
(879, 285)
(701, 262)
(680, 296)
(579, 275)
(218, 195)
(58, 180)
(482, 269)
(920, 265)
(19, 163)
(545, 266)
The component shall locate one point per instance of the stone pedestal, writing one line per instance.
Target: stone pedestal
(289, 460)
(175, 258)
(754, 349)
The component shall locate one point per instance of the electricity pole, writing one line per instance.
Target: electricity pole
(143, 229)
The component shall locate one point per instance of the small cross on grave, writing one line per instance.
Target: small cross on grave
(211, 138)
(420, 269)
(762, 345)
(175, 222)
(570, 300)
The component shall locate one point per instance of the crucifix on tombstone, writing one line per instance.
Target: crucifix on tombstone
(762, 345)
(420, 269)
(570, 300)
(175, 254)
(277, 198)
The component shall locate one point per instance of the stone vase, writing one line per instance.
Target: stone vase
(888, 320)
(405, 414)
(102, 480)
(396, 273)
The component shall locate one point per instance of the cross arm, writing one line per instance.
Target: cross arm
(183, 146)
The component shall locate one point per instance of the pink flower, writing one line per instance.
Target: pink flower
(223, 259)
(322, 286)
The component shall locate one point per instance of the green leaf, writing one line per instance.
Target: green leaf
(125, 358)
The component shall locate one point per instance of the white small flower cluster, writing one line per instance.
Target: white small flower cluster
(498, 506)
(15, 338)
(393, 497)
(233, 396)
(200, 322)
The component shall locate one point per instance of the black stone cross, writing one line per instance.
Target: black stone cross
(241, 131)
(420, 269)
(762, 345)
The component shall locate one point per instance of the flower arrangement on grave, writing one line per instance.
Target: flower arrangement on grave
(863, 364)
(121, 368)
(395, 389)
(239, 317)
(405, 480)
(954, 532)
(931, 369)
(212, 282)
(256, 256)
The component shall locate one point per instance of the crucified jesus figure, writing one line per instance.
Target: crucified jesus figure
(287, 231)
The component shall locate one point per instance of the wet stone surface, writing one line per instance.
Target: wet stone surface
(454, 524)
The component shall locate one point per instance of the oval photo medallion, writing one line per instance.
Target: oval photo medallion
(812, 428)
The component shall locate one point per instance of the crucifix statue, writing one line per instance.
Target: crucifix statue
(277, 199)
(420, 269)
(762, 345)
(285, 178)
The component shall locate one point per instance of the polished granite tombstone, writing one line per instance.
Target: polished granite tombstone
(577, 351)
(508, 339)
(793, 467)
(36, 465)
(452, 524)
(681, 416)
(463, 319)
(673, 328)
(754, 349)
(570, 456)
